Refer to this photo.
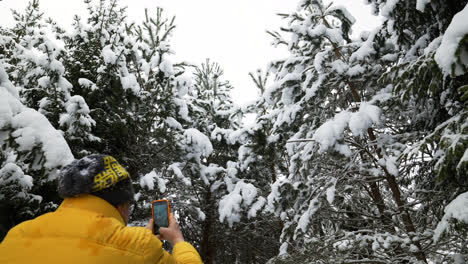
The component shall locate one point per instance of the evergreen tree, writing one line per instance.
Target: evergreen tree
(125, 75)
(32, 150)
(31, 154)
(34, 52)
(349, 167)
(215, 114)
(96, 56)
(78, 125)
(429, 79)
(126, 89)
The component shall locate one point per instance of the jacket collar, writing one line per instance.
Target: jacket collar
(92, 203)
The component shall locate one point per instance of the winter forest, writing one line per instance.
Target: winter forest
(358, 152)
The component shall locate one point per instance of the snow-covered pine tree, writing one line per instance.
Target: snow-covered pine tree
(207, 145)
(262, 156)
(96, 56)
(31, 55)
(429, 77)
(341, 181)
(214, 114)
(31, 153)
(35, 64)
(211, 110)
(78, 124)
(33, 51)
(125, 75)
(164, 86)
(124, 84)
(306, 93)
(162, 109)
(373, 202)
(200, 167)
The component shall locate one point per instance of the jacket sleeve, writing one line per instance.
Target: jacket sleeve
(184, 253)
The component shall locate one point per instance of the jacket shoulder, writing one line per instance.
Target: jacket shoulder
(136, 240)
(28, 228)
(185, 253)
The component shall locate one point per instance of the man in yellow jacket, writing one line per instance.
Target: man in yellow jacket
(90, 224)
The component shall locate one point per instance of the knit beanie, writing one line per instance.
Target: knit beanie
(99, 175)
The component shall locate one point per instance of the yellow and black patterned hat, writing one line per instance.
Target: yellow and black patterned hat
(100, 175)
(112, 173)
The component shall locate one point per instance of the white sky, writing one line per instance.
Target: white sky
(230, 32)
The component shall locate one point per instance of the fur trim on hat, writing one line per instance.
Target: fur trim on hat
(78, 177)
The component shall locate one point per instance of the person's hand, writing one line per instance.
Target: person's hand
(171, 233)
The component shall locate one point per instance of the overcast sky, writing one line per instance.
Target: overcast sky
(232, 33)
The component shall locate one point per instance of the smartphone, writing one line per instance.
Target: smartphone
(161, 214)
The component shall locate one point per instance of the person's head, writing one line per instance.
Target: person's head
(99, 175)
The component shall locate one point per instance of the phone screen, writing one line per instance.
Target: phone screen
(160, 217)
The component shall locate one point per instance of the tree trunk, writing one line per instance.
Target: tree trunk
(407, 222)
(273, 172)
(207, 247)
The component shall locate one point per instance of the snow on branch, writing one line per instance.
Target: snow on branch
(30, 128)
(456, 209)
(197, 143)
(448, 56)
(358, 122)
(231, 204)
(421, 4)
(149, 179)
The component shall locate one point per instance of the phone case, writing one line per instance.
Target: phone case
(168, 213)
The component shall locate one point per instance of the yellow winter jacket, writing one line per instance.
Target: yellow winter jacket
(87, 229)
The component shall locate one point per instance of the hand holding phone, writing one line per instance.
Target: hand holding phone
(161, 212)
(172, 233)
